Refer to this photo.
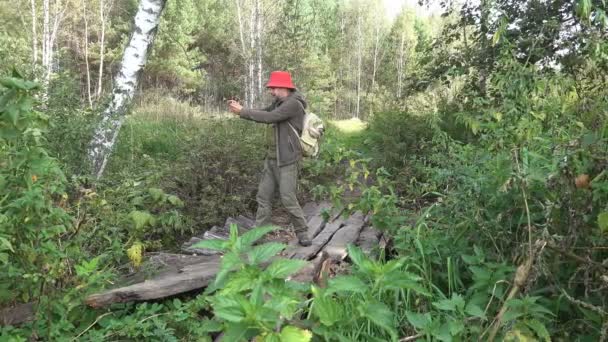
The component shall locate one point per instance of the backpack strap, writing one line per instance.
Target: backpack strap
(294, 129)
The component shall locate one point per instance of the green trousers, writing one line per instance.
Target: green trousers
(285, 180)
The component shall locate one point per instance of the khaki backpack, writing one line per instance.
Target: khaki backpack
(312, 131)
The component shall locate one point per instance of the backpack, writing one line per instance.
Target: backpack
(312, 131)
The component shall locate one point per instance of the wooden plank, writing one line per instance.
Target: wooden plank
(318, 242)
(18, 314)
(336, 247)
(368, 240)
(316, 221)
(310, 272)
(161, 264)
(190, 278)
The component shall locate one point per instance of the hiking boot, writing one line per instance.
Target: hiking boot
(304, 240)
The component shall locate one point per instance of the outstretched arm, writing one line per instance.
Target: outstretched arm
(288, 109)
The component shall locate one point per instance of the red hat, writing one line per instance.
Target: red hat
(280, 79)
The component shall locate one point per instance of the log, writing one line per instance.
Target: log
(18, 314)
(160, 264)
(318, 242)
(189, 278)
(316, 221)
(336, 247)
(369, 239)
(311, 271)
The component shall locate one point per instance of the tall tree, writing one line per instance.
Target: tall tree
(134, 58)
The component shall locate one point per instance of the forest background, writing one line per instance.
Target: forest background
(481, 125)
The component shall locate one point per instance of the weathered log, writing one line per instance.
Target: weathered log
(318, 242)
(368, 240)
(311, 271)
(189, 278)
(18, 314)
(316, 222)
(336, 247)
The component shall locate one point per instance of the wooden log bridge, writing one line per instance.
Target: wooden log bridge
(196, 268)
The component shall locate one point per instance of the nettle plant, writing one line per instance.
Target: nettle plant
(251, 296)
(32, 220)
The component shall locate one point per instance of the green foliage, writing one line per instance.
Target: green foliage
(250, 299)
(31, 185)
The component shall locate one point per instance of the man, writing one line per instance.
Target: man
(286, 114)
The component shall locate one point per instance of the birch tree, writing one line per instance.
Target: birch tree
(134, 58)
(34, 33)
(104, 10)
(86, 51)
(50, 30)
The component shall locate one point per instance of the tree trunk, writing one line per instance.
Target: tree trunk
(45, 33)
(258, 41)
(400, 66)
(134, 58)
(359, 58)
(102, 42)
(49, 34)
(250, 60)
(86, 51)
(34, 34)
(244, 52)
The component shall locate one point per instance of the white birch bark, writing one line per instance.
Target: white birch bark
(258, 41)
(400, 66)
(133, 60)
(244, 51)
(86, 50)
(102, 40)
(49, 34)
(45, 32)
(34, 33)
(250, 59)
(359, 62)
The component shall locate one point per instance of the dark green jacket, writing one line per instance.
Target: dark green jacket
(281, 113)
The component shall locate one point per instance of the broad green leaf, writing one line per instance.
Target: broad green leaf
(231, 313)
(418, 320)
(5, 244)
(380, 315)
(237, 332)
(156, 194)
(456, 303)
(141, 219)
(326, 309)
(283, 268)
(208, 325)
(456, 327)
(229, 261)
(253, 235)
(176, 201)
(347, 284)
(214, 244)
(359, 258)
(272, 337)
(474, 310)
(602, 221)
(13, 114)
(263, 253)
(443, 333)
(293, 334)
(539, 329)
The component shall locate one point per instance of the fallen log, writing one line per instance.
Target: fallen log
(18, 314)
(316, 222)
(189, 278)
(369, 239)
(336, 247)
(305, 253)
(310, 272)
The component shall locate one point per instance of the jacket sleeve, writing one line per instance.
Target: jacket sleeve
(283, 112)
